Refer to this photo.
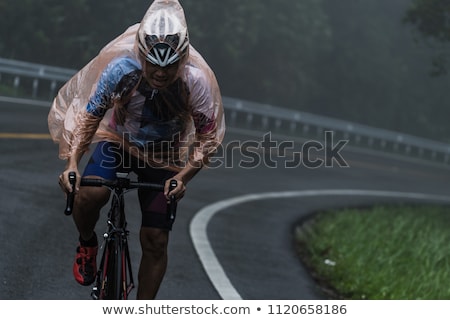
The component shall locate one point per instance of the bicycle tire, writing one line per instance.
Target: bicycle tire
(98, 291)
(113, 273)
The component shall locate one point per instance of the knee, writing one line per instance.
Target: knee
(154, 242)
(91, 198)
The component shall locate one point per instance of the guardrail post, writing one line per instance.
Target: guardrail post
(293, 127)
(264, 122)
(346, 135)
(433, 155)
(396, 147)
(249, 119)
(305, 129)
(35, 88)
(16, 85)
(319, 132)
(52, 89)
(278, 124)
(420, 152)
(408, 149)
(233, 117)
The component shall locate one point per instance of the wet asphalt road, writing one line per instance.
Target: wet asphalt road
(253, 241)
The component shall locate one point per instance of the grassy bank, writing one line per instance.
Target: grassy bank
(400, 252)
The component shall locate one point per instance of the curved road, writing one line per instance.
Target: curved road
(249, 227)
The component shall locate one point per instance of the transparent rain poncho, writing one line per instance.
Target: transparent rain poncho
(75, 128)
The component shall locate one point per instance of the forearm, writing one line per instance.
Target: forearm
(189, 171)
(74, 159)
(78, 144)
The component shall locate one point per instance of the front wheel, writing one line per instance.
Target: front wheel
(113, 282)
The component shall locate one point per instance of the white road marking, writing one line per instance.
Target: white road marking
(199, 224)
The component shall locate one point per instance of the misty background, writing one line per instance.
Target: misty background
(377, 62)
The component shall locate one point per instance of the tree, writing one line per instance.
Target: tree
(261, 50)
(348, 59)
(265, 51)
(432, 20)
(376, 74)
(62, 33)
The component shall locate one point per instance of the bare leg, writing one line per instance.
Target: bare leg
(86, 211)
(153, 263)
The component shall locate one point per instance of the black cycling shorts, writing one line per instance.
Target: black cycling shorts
(108, 158)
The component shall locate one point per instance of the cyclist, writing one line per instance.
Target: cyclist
(153, 106)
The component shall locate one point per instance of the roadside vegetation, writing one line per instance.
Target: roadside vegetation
(384, 252)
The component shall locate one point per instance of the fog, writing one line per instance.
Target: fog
(358, 60)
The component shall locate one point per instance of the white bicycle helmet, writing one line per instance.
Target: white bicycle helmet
(163, 36)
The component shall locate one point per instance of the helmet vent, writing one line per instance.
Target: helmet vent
(162, 55)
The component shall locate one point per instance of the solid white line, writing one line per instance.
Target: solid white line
(212, 266)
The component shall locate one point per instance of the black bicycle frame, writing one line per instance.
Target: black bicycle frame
(115, 276)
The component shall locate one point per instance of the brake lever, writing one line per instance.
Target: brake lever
(172, 207)
(71, 195)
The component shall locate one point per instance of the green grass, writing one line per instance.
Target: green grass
(7, 90)
(398, 253)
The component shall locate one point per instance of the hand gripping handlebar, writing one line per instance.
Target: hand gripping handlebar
(171, 208)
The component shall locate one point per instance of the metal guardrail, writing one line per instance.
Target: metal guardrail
(33, 70)
(30, 80)
(303, 124)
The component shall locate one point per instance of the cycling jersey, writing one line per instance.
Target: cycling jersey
(144, 122)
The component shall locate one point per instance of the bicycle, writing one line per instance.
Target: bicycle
(114, 279)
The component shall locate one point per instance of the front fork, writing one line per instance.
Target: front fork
(127, 283)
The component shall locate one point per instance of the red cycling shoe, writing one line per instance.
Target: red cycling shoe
(85, 265)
